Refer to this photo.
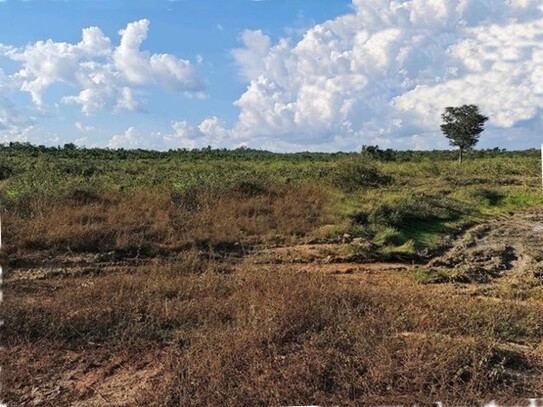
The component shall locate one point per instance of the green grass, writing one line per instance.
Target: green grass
(425, 276)
(265, 337)
(402, 202)
(428, 234)
(519, 200)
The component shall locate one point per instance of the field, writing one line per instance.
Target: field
(244, 278)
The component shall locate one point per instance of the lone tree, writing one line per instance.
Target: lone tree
(462, 126)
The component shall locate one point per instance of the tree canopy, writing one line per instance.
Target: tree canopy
(462, 126)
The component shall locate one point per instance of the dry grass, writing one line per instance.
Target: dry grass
(146, 222)
(270, 338)
(219, 335)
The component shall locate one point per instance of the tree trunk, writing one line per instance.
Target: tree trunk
(461, 156)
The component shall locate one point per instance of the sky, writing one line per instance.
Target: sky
(279, 75)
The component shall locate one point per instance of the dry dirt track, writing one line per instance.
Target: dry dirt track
(510, 247)
(505, 251)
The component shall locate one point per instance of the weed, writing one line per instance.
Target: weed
(430, 276)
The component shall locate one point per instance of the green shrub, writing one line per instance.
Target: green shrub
(6, 171)
(389, 236)
(406, 209)
(429, 276)
(354, 173)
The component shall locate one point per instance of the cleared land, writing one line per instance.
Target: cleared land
(417, 282)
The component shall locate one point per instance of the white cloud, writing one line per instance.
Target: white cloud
(214, 131)
(503, 72)
(127, 101)
(14, 125)
(381, 74)
(129, 139)
(105, 76)
(142, 68)
(81, 142)
(251, 57)
(82, 128)
(211, 131)
(91, 100)
(386, 71)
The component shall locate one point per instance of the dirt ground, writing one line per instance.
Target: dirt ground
(486, 261)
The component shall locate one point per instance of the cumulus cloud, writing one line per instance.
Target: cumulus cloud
(381, 74)
(384, 73)
(14, 125)
(82, 128)
(142, 68)
(128, 101)
(503, 71)
(130, 139)
(211, 131)
(104, 75)
(256, 44)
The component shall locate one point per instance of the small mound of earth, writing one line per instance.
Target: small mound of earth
(504, 246)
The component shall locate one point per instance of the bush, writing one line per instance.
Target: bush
(354, 173)
(389, 236)
(405, 209)
(5, 171)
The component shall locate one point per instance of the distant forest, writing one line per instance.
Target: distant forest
(14, 149)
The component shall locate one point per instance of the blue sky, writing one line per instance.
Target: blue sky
(283, 75)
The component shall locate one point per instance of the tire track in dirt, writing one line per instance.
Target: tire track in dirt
(503, 249)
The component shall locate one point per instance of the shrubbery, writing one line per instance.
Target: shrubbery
(6, 171)
(355, 173)
(222, 197)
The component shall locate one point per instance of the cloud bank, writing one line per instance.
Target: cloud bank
(381, 74)
(384, 73)
(210, 132)
(105, 76)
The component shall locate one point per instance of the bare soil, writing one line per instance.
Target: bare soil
(508, 249)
